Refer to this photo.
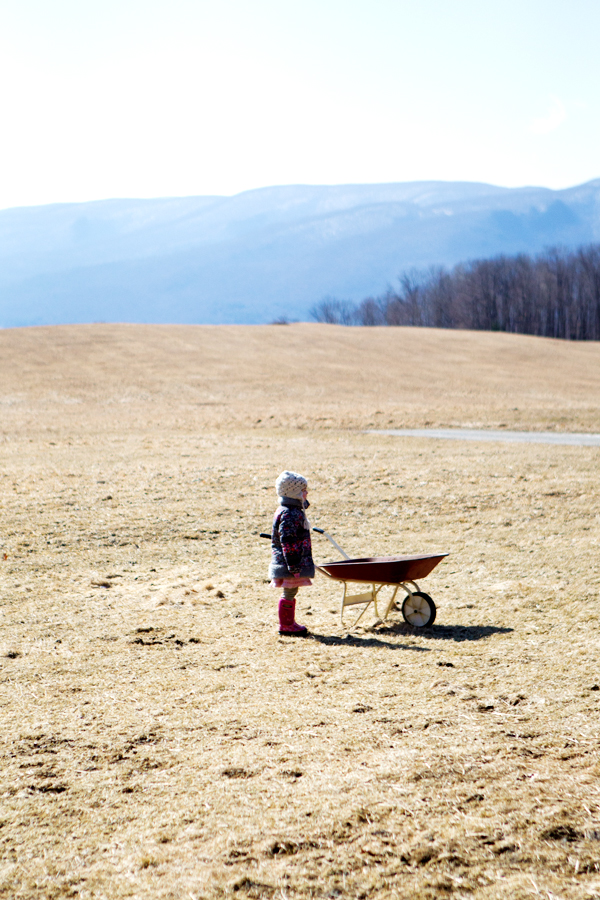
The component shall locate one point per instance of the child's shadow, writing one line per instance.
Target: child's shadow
(456, 633)
(355, 640)
(447, 632)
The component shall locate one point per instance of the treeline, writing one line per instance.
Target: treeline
(554, 294)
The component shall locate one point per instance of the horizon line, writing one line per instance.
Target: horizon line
(348, 184)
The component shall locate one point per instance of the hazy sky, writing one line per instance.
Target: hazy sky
(149, 98)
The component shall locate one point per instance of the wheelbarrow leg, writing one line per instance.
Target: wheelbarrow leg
(391, 603)
(353, 599)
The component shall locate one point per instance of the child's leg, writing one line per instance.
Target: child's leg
(287, 612)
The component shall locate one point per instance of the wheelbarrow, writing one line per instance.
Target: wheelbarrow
(397, 572)
(418, 609)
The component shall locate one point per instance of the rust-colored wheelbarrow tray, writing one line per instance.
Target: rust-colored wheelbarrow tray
(401, 572)
(382, 569)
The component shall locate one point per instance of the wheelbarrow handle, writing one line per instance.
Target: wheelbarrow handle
(331, 541)
(322, 531)
(270, 536)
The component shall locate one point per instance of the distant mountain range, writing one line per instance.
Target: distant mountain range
(267, 253)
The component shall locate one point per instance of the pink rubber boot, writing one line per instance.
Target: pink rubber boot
(287, 623)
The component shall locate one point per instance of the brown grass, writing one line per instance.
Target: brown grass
(160, 740)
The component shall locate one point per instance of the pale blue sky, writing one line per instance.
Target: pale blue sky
(148, 98)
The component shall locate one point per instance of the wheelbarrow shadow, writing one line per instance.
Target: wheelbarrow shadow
(457, 633)
(356, 640)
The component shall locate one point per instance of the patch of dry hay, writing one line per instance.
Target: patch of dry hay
(160, 740)
(302, 376)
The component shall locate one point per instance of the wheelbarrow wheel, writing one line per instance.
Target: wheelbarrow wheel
(419, 610)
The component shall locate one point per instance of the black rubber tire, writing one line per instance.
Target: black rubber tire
(421, 615)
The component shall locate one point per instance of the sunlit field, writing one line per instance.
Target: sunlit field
(161, 740)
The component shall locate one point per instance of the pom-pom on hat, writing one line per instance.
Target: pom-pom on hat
(290, 484)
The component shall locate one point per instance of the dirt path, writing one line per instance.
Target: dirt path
(567, 439)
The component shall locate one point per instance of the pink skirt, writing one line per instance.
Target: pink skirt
(290, 582)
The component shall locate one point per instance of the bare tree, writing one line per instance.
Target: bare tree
(554, 294)
(334, 312)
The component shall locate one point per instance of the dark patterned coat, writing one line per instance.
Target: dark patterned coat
(290, 542)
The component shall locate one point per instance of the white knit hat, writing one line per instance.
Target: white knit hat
(289, 484)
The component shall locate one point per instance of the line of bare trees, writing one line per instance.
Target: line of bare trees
(554, 294)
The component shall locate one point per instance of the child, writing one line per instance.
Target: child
(292, 565)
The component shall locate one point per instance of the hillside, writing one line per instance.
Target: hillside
(161, 740)
(265, 253)
(230, 376)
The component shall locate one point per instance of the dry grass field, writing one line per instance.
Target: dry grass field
(160, 740)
